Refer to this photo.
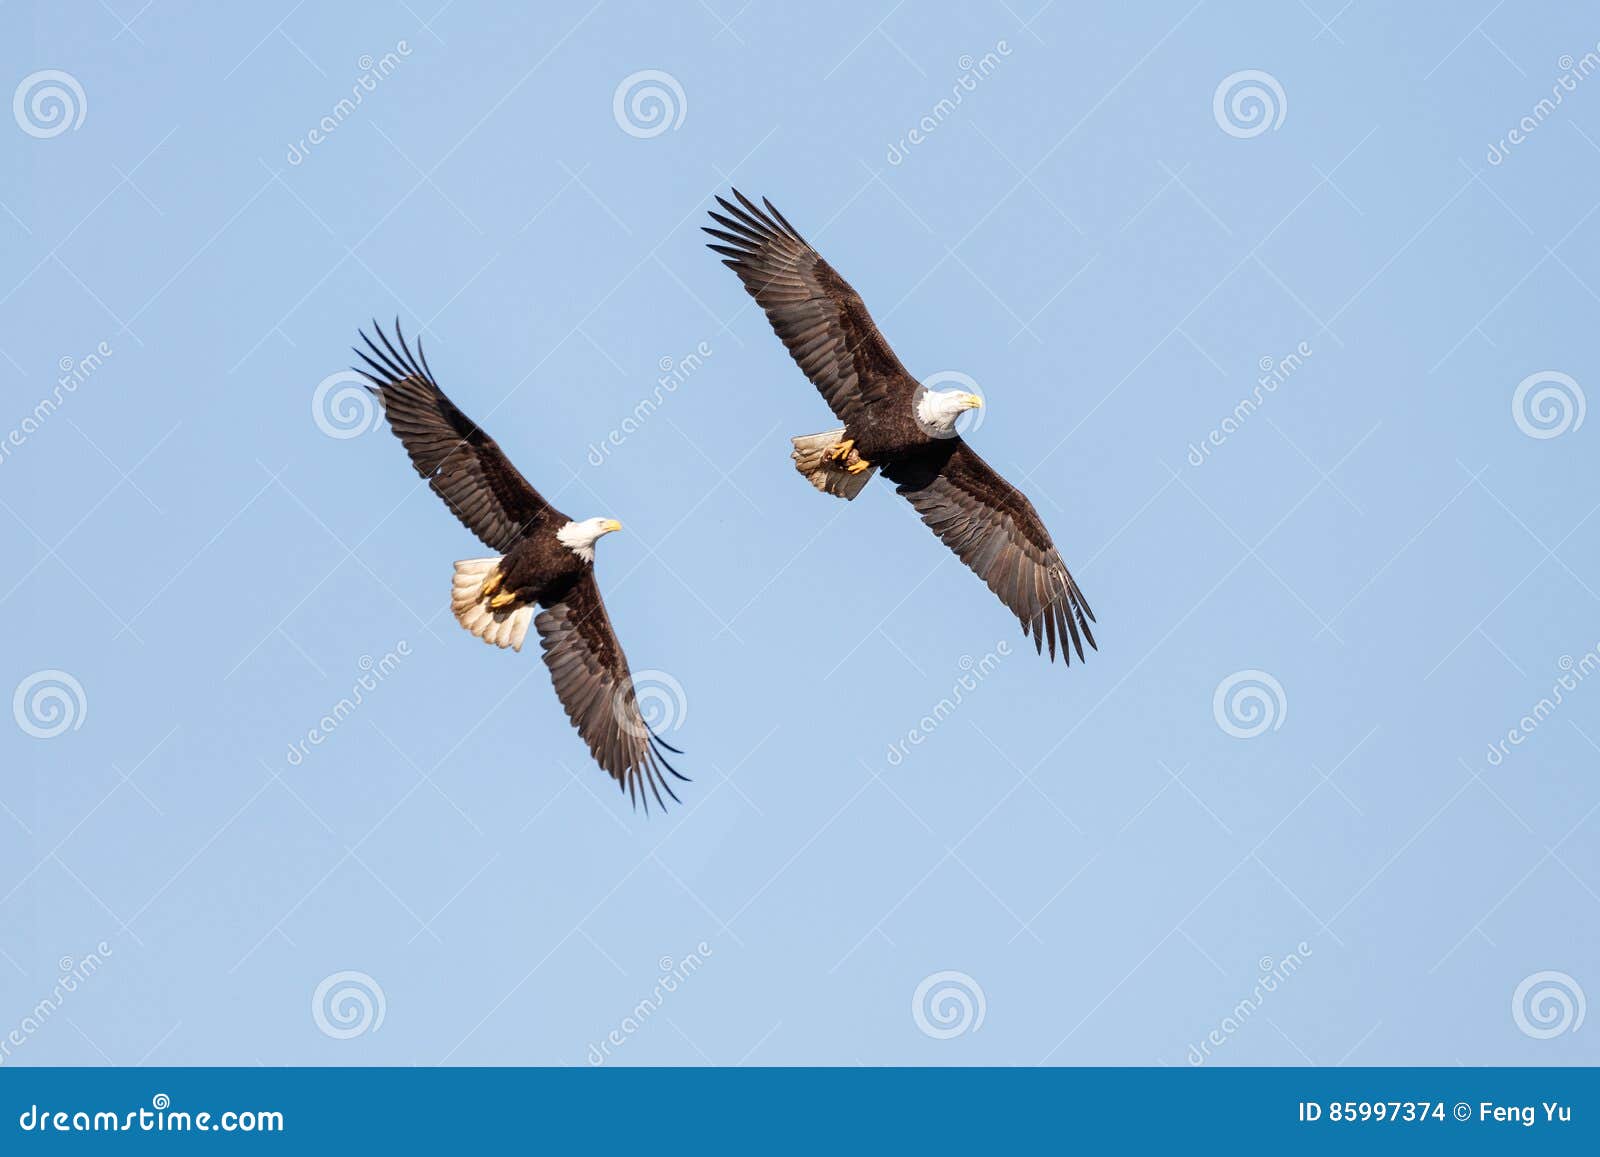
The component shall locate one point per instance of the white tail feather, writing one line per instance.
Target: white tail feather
(506, 627)
(828, 476)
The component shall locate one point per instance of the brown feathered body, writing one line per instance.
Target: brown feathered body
(989, 524)
(496, 598)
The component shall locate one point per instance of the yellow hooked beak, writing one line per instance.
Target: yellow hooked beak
(973, 402)
(612, 524)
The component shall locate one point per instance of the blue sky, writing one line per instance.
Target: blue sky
(1265, 823)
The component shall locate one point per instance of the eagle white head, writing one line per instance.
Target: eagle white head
(580, 537)
(937, 410)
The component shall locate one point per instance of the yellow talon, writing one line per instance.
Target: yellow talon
(492, 583)
(858, 466)
(840, 449)
(504, 598)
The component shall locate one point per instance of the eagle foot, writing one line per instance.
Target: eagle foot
(840, 450)
(503, 599)
(857, 465)
(492, 583)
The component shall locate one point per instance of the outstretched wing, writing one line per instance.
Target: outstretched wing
(461, 463)
(995, 530)
(593, 683)
(820, 319)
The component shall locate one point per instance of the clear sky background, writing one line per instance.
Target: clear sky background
(1096, 850)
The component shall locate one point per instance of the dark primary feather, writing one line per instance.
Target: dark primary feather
(462, 464)
(592, 681)
(994, 529)
(820, 319)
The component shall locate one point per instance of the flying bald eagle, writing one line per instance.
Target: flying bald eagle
(545, 560)
(893, 424)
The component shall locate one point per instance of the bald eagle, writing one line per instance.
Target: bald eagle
(544, 560)
(893, 424)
